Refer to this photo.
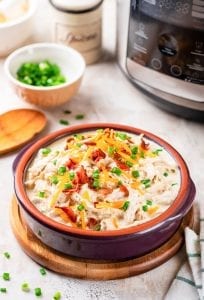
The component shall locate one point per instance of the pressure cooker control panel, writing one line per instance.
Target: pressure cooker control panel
(168, 36)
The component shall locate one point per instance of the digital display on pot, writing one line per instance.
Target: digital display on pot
(167, 36)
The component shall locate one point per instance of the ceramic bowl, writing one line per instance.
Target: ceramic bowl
(16, 32)
(111, 244)
(70, 61)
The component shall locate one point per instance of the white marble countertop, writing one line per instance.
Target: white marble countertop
(105, 95)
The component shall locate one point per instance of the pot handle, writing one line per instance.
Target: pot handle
(18, 157)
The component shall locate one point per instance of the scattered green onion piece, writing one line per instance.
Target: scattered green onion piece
(111, 150)
(7, 255)
(6, 276)
(25, 287)
(133, 156)
(145, 208)
(95, 174)
(54, 162)
(135, 174)
(79, 144)
(71, 175)
(79, 117)
(149, 202)
(173, 184)
(41, 194)
(121, 135)
(64, 122)
(116, 171)
(157, 151)
(120, 183)
(43, 271)
(96, 184)
(126, 205)
(61, 170)
(98, 227)
(129, 164)
(134, 150)
(46, 151)
(68, 186)
(57, 296)
(66, 111)
(54, 180)
(78, 136)
(80, 207)
(165, 174)
(3, 290)
(38, 292)
(146, 182)
(142, 155)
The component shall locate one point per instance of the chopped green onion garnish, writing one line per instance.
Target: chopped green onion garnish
(134, 150)
(120, 183)
(145, 208)
(149, 202)
(57, 296)
(135, 174)
(80, 207)
(126, 205)
(142, 155)
(133, 156)
(7, 255)
(166, 174)
(46, 151)
(78, 136)
(43, 271)
(25, 287)
(54, 180)
(95, 174)
(61, 170)
(79, 117)
(54, 162)
(116, 171)
(68, 186)
(38, 292)
(79, 144)
(71, 175)
(64, 122)
(156, 152)
(98, 227)
(129, 163)
(146, 182)
(66, 111)
(6, 276)
(173, 184)
(3, 290)
(96, 184)
(41, 194)
(111, 150)
(121, 135)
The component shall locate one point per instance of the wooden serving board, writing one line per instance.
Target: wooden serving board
(18, 127)
(91, 269)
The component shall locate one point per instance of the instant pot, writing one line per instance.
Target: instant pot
(161, 50)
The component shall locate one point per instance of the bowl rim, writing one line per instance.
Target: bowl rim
(32, 9)
(50, 138)
(14, 54)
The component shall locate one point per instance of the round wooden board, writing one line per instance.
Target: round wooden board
(19, 126)
(91, 269)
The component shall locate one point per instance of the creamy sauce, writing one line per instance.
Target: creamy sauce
(102, 180)
(12, 9)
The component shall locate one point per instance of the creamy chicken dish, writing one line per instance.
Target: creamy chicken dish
(102, 180)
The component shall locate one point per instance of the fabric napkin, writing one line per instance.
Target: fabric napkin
(189, 282)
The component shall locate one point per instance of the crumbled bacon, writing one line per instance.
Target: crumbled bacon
(144, 145)
(97, 155)
(82, 176)
(71, 164)
(124, 190)
(90, 143)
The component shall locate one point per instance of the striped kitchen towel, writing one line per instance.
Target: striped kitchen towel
(189, 282)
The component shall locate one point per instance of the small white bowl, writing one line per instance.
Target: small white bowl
(70, 61)
(15, 33)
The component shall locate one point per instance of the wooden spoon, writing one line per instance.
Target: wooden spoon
(19, 126)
